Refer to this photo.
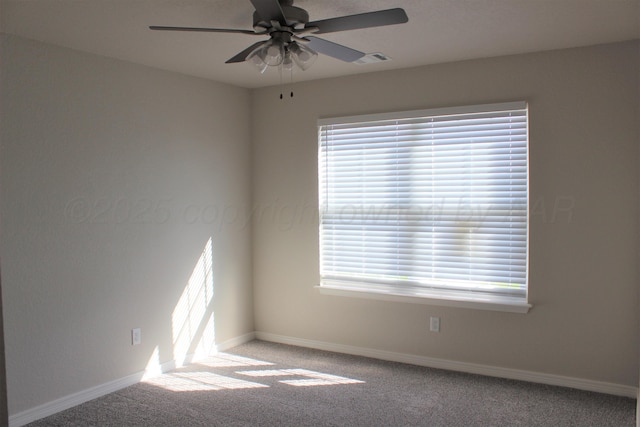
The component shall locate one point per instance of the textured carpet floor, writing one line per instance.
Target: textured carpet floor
(266, 384)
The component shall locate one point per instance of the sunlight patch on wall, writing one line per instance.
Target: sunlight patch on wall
(193, 317)
(206, 344)
(153, 368)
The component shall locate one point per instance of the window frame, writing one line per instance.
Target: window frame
(417, 294)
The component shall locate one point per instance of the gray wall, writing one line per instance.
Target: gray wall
(583, 226)
(114, 178)
(4, 410)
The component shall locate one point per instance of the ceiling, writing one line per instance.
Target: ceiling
(438, 31)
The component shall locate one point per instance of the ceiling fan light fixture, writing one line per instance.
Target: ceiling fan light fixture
(273, 53)
(287, 62)
(303, 56)
(256, 58)
(257, 62)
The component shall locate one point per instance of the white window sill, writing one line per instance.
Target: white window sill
(480, 302)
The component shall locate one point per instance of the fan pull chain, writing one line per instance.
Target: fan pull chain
(280, 73)
(291, 80)
(282, 84)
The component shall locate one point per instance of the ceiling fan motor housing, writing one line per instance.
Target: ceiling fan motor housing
(296, 18)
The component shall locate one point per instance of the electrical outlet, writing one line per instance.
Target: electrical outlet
(136, 336)
(434, 324)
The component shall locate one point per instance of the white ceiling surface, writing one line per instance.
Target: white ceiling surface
(438, 31)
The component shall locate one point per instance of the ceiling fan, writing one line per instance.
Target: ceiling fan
(288, 28)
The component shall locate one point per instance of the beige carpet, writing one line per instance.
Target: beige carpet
(266, 384)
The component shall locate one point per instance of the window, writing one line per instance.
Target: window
(427, 205)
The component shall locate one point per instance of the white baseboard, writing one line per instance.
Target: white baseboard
(66, 402)
(473, 368)
(234, 342)
(75, 399)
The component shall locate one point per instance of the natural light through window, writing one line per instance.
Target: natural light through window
(427, 204)
(154, 367)
(212, 374)
(201, 381)
(193, 318)
(225, 360)
(311, 378)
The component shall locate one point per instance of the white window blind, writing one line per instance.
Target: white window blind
(432, 200)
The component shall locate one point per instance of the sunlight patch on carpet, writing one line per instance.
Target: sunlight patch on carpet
(312, 378)
(200, 381)
(225, 360)
(199, 376)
